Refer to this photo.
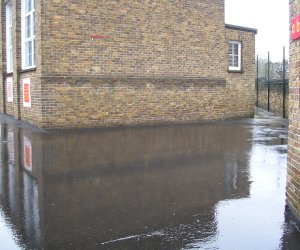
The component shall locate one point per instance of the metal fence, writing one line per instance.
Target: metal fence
(272, 85)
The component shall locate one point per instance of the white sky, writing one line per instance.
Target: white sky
(269, 17)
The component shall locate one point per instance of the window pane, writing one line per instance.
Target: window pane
(9, 14)
(28, 6)
(10, 66)
(230, 61)
(236, 49)
(27, 27)
(236, 61)
(28, 54)
(230, 48)
(33, 52)
(33, 23)
(9, 38)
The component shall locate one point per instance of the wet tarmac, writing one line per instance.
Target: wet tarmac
(213, 185)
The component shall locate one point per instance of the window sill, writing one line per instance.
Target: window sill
(27, 70)
(235, 71)
(9, 73)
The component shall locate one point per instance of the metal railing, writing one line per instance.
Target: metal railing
(272, 85)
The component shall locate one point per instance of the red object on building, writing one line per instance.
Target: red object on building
(295, 27)
(26, 93)
(94, 36)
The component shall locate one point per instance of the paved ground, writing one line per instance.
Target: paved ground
(211, 185)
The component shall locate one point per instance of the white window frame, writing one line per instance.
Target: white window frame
(31, 39)
(9, 37)
(239, 67)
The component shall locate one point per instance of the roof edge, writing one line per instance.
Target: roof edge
(241, 28)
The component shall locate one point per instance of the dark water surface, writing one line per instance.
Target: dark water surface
(214, 185)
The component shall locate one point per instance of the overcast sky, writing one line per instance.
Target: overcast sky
(269, 17)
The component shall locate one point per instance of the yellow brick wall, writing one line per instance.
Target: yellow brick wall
(15, 108)
(143, 38)
(293, 178)
(150, 62)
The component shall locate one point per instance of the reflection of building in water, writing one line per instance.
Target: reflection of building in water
(290, 238)
(155, 185)
(31, 208)
(11, 172)
(19, 191)
(1, 163)
(231, 175)
(12, 189)
(11, 147)
(1, 189)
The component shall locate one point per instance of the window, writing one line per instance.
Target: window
(9, 42)
(28, 34)
(235, 55)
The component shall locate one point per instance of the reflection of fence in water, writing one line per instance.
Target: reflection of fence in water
(276, 96)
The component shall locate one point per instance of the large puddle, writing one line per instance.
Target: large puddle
(214, 185)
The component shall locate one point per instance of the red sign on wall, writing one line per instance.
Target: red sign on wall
(26, 93)
(296, 27)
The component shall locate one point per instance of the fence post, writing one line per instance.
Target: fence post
(268, 81)
(283, 88)
(257, 81)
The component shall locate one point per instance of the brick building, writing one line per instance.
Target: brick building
(293, 179)
(103, 63)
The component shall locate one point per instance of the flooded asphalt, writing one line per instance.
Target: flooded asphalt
(214, 185)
